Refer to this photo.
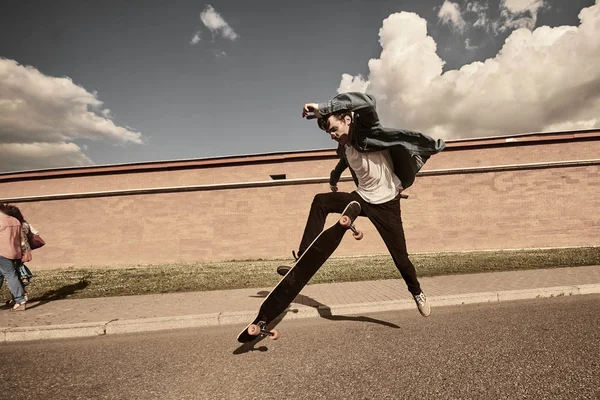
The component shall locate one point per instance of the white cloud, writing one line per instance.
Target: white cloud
(480, 10)
(482, 21)
(28, 156)
(353, 83)
(216, 24)
(469, 46)
(450, 14)
(106, 113)
(42, 113)
(476, 7)
(517, 14)
(196, 38)
(512, 14)
(539, 81)
(521, 6)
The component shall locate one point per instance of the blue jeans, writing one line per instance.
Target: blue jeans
(8, 272)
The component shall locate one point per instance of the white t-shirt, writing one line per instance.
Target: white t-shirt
(377, 182)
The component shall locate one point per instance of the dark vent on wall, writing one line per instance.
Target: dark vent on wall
(277, 177)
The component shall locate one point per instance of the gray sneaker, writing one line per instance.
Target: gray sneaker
(284, 269)
(422, 304)
(352, 210)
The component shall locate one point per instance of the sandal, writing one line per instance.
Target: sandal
(19, 307)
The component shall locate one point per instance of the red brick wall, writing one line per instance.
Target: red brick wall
(551, 207)
(450, 158)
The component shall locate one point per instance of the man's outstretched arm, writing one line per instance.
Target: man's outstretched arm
(350, 101)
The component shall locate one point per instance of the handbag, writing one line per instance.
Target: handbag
(25, 274)
(35, 240)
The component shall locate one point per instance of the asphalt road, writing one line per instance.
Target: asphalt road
(540, 349)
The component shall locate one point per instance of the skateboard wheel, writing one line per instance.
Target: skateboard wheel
(358, 235)
(253, 330)
(274, 334)
(345, 221)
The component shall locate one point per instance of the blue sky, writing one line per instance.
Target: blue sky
(90, 82)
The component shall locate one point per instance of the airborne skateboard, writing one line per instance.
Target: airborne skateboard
(298, 276)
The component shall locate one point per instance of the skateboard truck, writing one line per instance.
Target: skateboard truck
(346, 222)
(259, 328)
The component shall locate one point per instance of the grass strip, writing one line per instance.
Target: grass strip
(169, 278)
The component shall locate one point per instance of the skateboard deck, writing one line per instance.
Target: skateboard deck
(298, 276)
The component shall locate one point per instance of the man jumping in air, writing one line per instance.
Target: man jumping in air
(383, 162)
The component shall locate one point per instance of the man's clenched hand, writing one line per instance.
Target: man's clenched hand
(311, 111)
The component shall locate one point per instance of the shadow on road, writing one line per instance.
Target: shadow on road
(325, 311)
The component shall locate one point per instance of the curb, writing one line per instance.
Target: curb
(113, 327)
(28, 333)
(161, 323)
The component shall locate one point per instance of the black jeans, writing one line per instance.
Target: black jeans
(386, 218)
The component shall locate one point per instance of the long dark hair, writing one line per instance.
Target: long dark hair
(12, 211)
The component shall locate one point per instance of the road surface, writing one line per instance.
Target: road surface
(537, 349)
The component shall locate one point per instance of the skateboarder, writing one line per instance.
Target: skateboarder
(383, 162)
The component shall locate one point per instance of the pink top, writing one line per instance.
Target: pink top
(10, 237)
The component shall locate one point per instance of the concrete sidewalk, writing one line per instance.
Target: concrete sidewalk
(112, 315)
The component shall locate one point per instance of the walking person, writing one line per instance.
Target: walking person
(23, 271)
(11, 252)
(383, 162)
